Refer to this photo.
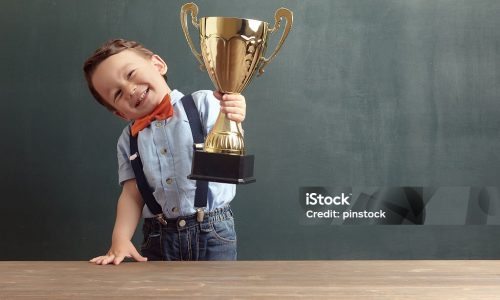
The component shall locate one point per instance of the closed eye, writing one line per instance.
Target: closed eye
(130, 74)
(117, 94)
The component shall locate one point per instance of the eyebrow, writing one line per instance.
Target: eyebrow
(126, 67)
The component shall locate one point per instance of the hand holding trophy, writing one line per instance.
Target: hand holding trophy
(232, 49)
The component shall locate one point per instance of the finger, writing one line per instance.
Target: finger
(218, 95)
(97, 260)
(233, 97)
(93, 260)
(118, 259)
(235, 117)
(233, 110)
(233, 103)
(137, 256)
(107, 259)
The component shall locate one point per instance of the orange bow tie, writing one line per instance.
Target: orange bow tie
(163, 111)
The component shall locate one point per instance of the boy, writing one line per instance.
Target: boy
(128, 79)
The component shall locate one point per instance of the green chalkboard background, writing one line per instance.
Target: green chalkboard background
(363, 93)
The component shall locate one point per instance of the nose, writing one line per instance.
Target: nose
(131, 89)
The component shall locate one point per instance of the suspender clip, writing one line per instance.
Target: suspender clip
(161, 218)
(200, 214)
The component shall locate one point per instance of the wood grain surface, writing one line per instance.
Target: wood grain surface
(467, 279)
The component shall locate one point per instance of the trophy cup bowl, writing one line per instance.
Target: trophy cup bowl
(232, 49)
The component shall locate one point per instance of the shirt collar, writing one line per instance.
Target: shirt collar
(175, 96)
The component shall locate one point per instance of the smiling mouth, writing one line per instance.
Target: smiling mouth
(142, 97)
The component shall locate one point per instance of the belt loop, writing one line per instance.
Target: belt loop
(200, 214)
(161, 218)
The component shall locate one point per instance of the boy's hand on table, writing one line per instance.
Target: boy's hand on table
(233, 105)
(119, 250)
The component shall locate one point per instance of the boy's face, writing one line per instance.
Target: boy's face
(131, 83)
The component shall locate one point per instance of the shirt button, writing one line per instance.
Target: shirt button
(175, 209)
(158, 124)
(182, 223)
(169, 181)
(163, 151)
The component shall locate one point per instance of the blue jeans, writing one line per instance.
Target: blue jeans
(185, 238)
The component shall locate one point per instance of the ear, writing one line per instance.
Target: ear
(159, 64)
(120, 115)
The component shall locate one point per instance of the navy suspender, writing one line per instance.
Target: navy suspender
(142, 183)
(144, 188)
(200, 198)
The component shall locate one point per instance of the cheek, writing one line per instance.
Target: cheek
(122, 108)
(157, 79)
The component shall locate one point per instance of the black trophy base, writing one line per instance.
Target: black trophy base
(225, 168)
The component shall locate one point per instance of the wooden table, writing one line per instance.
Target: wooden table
(413, 279)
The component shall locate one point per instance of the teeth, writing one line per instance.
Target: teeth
(143, 95)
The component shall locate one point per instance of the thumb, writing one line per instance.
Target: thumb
(218, 95)
(137, 256)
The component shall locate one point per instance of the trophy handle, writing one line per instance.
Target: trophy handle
(280, 13)
(193, 8)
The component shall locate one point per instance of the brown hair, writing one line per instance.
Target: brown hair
(110, 48)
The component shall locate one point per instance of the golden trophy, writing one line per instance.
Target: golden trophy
(231, 50)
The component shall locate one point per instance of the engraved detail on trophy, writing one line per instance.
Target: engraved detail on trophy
(231, 62)
(225, 142)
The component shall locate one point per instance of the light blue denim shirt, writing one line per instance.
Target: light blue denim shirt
(166, 151)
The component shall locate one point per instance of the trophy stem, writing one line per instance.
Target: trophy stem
(225, 137)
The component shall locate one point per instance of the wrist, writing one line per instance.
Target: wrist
(119, 237)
